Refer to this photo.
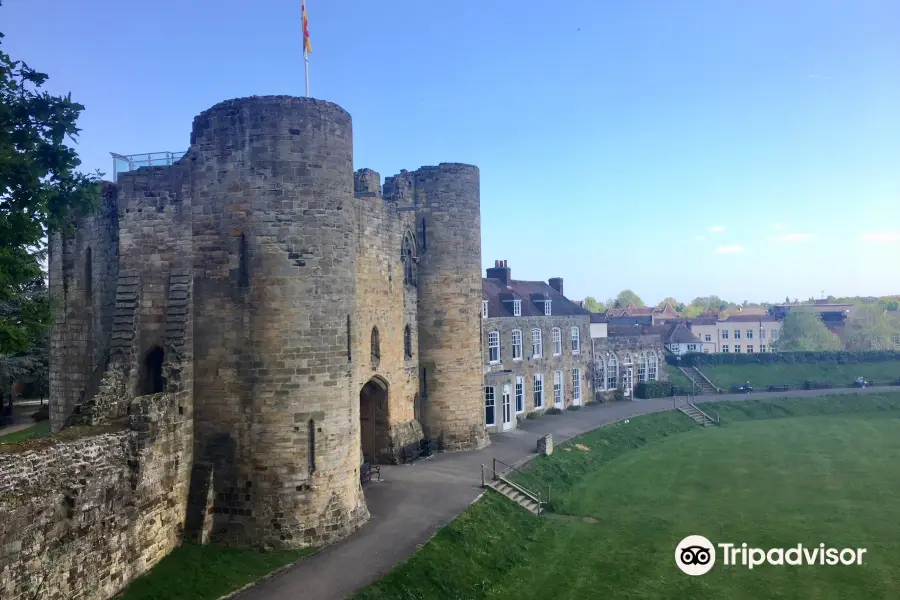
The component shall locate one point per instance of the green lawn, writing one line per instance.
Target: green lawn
(677, 378)
(724, 376)
(829, 477)
(35, 431)
(194, 572)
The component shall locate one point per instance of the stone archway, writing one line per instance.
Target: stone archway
(373, 420)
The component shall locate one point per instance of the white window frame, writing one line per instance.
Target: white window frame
(517, 344)
(537, 390)
(762, 348)
(749, 348)
(537, 343)
(724, 334)
(556, 336)
(576, 386)
(558, 397)
(517, 308)
(490, 401)
(520, 394)
(737, 334)
(737, 349)
(642, 367)
(724, 348)
(762, 333)
(576, 340)
(600, 374)
(612, 373)
(653, 367)
(708, 338)
(494, 348)
(484, 309)
(749, 334)
(547, 311)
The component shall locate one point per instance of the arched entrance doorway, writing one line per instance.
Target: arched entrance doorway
(373, 420)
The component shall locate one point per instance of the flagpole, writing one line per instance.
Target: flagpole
(306, 69)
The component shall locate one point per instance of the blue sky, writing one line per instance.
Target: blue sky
(745, 149)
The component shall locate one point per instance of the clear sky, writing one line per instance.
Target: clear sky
(745, 149)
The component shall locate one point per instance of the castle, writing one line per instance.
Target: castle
(264, 321)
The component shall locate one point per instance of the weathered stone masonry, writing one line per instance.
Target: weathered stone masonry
(233, 313)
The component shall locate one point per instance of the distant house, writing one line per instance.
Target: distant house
(679, 340)
(656, 315)
(835, 316)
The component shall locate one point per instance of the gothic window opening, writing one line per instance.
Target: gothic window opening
(376, 347)
(408, 257)
(407, 342)
(151, 380)
(243, 263)
(424, 237)
(88, 276)
(311, 442)
(349, 352)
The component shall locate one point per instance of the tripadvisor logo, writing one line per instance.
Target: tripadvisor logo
(696, 555)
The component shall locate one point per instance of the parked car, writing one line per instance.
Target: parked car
(861, 382)
(744, 388)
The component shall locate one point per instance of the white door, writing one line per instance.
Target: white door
(629, 381)
(507, 409)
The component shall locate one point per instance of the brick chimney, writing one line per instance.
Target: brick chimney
(499, 271)
(557, 284)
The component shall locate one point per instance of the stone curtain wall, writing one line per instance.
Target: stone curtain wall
(79, 340)
(447, 199)
(546, 365)
(82, 518)
(633, 344)
(388, 303)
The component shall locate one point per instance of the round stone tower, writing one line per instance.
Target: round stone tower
(276, 412)
(448, 214)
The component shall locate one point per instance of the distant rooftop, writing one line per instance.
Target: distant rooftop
(123, 163)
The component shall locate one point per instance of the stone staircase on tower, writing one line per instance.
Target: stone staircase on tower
(702, 384)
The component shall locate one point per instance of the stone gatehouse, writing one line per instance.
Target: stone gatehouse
(253, 323)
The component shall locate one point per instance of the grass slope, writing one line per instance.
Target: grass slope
(37, 430)
(194, 572)
(677, 378)
(759, 479)
(759, 376)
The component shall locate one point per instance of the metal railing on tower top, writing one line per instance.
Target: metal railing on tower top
(122, 163)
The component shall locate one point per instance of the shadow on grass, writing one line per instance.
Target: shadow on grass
(195, 572)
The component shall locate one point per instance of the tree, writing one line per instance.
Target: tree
(591, 304)
(805, 332)
(869, 329)
(691, 311)
(627, 297)
(40, 192)
(678, 306)
(711, 302)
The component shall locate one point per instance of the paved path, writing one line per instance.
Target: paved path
(416, 500)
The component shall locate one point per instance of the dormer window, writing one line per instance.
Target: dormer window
(484, 310)
(547, 308)
(517, 308)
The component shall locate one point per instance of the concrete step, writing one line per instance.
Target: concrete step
(515, 495)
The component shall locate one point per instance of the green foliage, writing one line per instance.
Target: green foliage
(696, 359)
(794, 375)
(805, 332)
(194, 572)
(653, 389)
(40, 192)
(622, 478)
(869, 329)
(37, 430)
(591, 304)
(619, 395)
(553, 411)
(627, 297)
(573, 407)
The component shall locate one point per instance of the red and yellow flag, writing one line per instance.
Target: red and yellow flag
(307, 44)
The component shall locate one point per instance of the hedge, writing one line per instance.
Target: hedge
(840, 357)
(653, 389)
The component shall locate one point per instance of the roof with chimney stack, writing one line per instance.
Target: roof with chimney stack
(500, 290)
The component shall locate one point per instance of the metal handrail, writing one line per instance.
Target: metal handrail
(532, 478)
(530, 494)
